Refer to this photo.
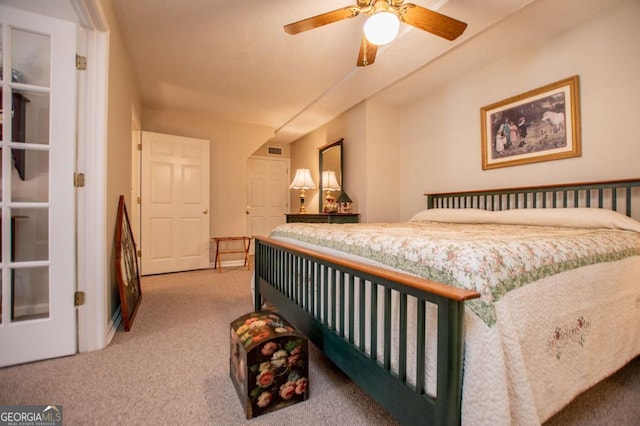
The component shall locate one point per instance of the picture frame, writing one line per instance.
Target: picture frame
(126, 263)
(539, 125)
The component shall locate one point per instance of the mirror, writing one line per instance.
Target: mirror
(331, 176)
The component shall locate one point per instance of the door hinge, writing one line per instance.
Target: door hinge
(81, 62)
(139, 147)
(139, 200)
(78, 180)
(78, 298)
(139, 253)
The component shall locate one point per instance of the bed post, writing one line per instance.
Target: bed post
(258, 264)
(451, 353)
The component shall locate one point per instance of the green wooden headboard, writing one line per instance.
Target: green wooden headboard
(622, 196)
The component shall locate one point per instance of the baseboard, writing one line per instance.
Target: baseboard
(114, 324)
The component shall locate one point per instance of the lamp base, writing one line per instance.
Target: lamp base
(303, 209)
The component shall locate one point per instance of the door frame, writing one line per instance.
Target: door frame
(136, 176)
(94, 329)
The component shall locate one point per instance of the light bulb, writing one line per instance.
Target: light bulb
(381, 28)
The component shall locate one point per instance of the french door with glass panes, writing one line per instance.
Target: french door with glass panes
(37, 223)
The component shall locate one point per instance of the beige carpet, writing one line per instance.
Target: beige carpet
(173, 368)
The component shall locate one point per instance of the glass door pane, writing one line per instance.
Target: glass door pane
(25, 175)
(30, 183)
(30, 293)
(31, 57)
(30, 228)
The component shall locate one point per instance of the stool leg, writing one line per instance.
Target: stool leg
(216, 264)
(246, 254)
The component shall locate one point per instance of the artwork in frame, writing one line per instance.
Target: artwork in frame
(126, 263)
(539, 125)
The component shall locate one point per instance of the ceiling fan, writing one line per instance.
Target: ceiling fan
(384, 23)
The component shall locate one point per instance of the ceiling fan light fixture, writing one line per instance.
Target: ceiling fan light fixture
(381, 28)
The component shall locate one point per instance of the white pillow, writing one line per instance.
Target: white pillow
(453, 215)
(580, 217)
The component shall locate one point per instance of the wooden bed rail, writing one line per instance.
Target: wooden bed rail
(612, 194)
(352, 312)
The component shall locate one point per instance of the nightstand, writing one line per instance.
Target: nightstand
(324, 218)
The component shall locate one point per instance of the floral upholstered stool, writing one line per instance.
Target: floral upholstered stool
(269, 363)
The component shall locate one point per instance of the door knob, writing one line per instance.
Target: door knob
(247, 210)
(205, 211)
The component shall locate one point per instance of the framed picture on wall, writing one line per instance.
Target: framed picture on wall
(539, 125)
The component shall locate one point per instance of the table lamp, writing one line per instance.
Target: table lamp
(302, 181)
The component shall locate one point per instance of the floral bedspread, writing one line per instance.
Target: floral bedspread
(492, 259)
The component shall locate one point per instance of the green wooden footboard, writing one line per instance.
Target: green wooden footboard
(358, 316)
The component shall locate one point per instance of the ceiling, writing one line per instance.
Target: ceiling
(233, 60)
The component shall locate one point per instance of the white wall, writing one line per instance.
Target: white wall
(123, 97)
(440, 145)
(350, 126)
(383, 167)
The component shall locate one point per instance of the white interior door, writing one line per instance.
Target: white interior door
(268, 194)
(37, 316)
(175, 203)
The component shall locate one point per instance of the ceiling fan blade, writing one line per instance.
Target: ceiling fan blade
(433, 22)
(320, 20)
(367, 55)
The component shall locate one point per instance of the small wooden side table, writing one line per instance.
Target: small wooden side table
(246, 243)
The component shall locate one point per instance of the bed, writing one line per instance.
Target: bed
(532, 299)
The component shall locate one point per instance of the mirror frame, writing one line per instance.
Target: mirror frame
(321, 151)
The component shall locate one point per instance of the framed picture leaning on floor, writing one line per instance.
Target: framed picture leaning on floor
(126, 262)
